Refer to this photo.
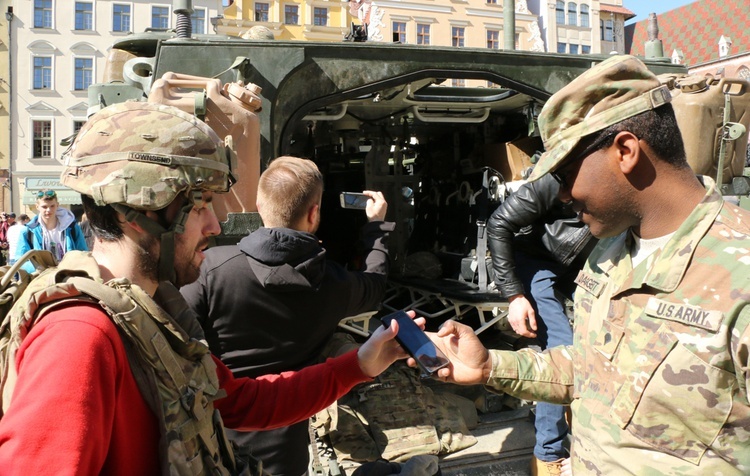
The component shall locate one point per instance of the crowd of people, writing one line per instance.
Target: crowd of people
(139, 356)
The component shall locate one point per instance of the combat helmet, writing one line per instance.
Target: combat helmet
(138, 156)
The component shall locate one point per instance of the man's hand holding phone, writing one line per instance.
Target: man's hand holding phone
(470, 361)
(416, 343)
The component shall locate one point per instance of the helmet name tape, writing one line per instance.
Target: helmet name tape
(150, 157)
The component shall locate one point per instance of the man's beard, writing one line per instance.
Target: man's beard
(149, 255)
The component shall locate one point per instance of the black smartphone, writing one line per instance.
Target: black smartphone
(357, 201)
(416, 343)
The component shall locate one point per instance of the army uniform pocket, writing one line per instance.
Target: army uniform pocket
(681, 407)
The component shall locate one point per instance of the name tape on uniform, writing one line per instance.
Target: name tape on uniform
(589, 283)
(685, 313)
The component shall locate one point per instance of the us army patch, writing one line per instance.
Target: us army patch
(685, 313)
(589, 283)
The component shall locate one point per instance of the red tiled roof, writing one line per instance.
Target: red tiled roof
(617, 9)
(696, 29)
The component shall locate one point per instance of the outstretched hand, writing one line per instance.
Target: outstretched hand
(470, 360)
(381, 349)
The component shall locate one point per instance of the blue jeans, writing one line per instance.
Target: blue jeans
(540, 277)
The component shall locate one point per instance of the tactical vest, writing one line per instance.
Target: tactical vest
(176, 374)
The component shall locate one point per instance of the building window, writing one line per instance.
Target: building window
(493, 39)
(399, 31)
(607, 30)
(42, 72)
(120, 17)
(560, 13)
(584, 15)
(77, 126)
(561, 47)
(458, 83)
(291, 14)
(493, 2)
(320, 16)
(198, 20)
(423, 34)
(458, 36)
(573, 49)
(572, 14)
(42, 13)
(84, 16)
(585, 49)
(261, 12)
(42, 139)
(160, 17)
(84, 73)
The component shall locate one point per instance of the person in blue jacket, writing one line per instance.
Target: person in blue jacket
(54, 229)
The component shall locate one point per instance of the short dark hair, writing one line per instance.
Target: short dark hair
(106, 223)
(103, 219)
(658, 128)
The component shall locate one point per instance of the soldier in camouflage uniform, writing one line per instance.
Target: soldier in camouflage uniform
(657, 375)
(105, 340)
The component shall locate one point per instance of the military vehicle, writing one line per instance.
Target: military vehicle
(443, 132)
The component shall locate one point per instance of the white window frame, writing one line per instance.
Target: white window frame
(33, 13)
(40, 118)
(51, 56)
(93, 72)
(205, 19)
(93, 15)
(151, 16)
(126, 4)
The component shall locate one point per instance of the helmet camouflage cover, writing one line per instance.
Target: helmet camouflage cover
(144, 155)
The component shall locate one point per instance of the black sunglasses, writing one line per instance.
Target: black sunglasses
(46, 193)
(562, 172)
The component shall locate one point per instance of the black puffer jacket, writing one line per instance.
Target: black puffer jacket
(271, 303)
(534, 220)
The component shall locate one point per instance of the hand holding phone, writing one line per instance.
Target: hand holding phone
(416, 343)
(356, 201)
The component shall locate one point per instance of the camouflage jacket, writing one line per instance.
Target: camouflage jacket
(658, 371)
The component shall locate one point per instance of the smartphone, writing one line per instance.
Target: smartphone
(357, 201)
(416, 343)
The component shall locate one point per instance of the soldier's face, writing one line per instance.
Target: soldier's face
(189, 246)
(593, 188)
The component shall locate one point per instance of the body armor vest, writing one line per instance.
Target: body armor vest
(175, 373)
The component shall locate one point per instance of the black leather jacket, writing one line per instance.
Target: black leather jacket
(535, 221)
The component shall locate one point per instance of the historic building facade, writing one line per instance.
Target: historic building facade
(56, 50)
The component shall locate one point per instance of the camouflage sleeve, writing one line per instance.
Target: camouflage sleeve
(541, 376)
(741, 351)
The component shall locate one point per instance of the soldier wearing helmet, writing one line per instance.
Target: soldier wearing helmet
(106, 340)
(657, 375)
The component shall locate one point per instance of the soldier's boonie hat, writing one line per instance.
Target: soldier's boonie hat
(143, 155)
(610, 92)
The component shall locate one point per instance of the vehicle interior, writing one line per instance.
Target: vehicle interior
(444, 157)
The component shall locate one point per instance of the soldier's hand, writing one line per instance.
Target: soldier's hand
(381, 349)
(471, 362)
(521, 316)
(376, 206)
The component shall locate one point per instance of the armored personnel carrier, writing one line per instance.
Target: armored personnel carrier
(443, 132)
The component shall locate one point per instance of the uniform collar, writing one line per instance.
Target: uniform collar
(665, 269)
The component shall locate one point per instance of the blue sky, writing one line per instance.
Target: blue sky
(643, 7)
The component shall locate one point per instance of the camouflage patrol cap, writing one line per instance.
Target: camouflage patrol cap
(610, 92)
(143, 155)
